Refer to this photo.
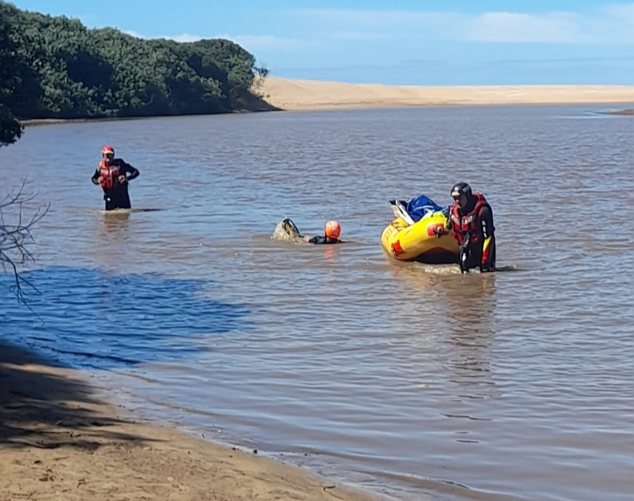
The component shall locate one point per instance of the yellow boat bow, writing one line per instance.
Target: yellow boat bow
(426, 240)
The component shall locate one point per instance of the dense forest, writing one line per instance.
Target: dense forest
(55, 67)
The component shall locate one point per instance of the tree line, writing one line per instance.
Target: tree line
(55, 67)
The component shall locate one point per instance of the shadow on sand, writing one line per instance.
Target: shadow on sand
(252, 102)
(43, 405)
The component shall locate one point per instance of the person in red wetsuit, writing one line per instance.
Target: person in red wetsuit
(471, 223)
(113, 175)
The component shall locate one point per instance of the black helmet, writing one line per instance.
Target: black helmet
(461, 188)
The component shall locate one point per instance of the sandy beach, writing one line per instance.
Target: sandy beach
(284, 94)
(291, 94)
(58, 440)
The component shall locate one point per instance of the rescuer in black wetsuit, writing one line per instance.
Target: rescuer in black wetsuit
(332, 231)
(113, 175)
(471, 223)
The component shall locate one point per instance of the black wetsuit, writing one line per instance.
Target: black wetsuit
(321, 239)
(485, 224)
(474, 251)
(117, 196)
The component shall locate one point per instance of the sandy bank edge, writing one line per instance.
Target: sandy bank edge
(287, 94)
(58, 436)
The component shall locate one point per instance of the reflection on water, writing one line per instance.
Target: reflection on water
(467, 307)
(409, 379)
(114, 228)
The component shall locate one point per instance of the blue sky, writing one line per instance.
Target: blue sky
(452, 42)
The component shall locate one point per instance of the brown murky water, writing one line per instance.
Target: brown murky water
(405, 379)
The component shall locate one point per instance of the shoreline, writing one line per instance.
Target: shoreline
(35, 122)
(59, 434)
(284, 94)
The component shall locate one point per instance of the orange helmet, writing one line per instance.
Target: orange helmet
(107, 150)
(333, 230)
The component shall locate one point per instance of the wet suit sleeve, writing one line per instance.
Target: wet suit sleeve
(486, 222)
(447, 212)
(317, 240)
(321, 239)
(131, 172)
(95, 177)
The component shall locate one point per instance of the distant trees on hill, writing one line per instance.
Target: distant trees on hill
(55, 67)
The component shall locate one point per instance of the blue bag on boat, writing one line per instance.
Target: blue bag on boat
(417, 207)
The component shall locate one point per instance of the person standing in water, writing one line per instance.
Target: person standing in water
(471, 223)
(113, 175)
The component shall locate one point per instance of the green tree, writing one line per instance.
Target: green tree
(10, 128)
(66, 70)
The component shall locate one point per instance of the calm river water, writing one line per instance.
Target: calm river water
(409, 380)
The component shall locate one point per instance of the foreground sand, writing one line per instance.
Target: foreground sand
(289, 94)
(58, 442)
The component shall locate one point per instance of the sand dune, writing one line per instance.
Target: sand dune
(289, 94)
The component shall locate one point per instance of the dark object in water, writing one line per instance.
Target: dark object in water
(629, 112)
(290, 228)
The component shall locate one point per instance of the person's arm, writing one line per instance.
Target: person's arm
(447, 212)
(449, 225)
(96, 177)
(486, 223)
(132, 172)
(319, 239)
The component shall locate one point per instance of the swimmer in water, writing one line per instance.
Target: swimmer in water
(332, 232)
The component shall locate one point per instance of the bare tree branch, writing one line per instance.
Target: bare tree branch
(15, 237)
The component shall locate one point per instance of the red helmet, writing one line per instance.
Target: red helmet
(107, 150)
(333, 230)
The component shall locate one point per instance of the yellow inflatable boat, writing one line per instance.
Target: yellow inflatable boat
(425, 241)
